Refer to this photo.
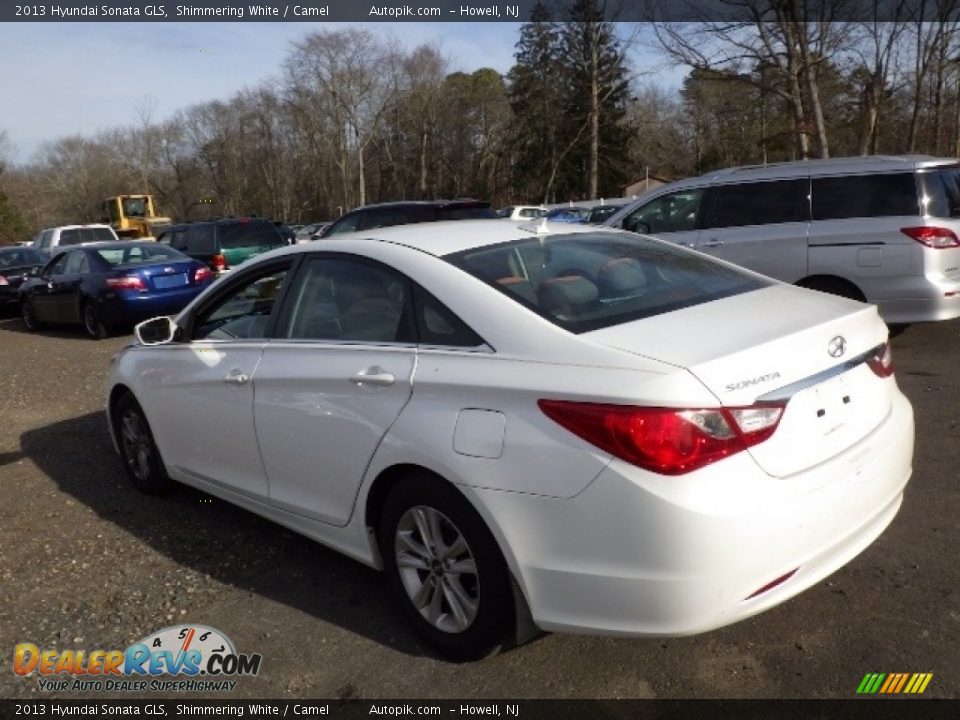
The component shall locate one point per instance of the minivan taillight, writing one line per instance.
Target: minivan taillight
(668, 441)
(218, 263)
(881, 362)
(934, 237)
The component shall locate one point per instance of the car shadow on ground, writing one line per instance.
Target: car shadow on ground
(212, 537)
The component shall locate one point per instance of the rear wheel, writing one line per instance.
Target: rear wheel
(834, 286)
(92, 323)
(28, 316)
(445, 569)
(141, 459)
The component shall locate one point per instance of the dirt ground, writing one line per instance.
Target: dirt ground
(86, 562)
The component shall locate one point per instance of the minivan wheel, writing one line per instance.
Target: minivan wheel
(28, 316)
(141, 459)
(445, 569)
(92, 323)
(834, 286)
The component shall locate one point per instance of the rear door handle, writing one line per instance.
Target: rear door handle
(375, 375)
(713, 243)
(237, 376)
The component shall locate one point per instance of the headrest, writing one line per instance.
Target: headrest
(567, 295)
(620, 276)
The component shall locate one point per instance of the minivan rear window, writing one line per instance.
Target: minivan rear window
(941, 189)
(588, 281)
(864, 196)
(250, 234)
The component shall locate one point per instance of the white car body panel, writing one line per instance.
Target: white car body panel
(595, 544)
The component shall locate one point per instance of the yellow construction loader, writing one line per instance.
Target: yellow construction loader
(133, 216)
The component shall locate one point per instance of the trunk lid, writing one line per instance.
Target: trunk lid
(746, 347)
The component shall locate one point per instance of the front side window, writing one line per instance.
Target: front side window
(244, 312)
(676, 212)
(758, 203)
(339, 299)
(864, 196)
(587, 281)
(56, 266)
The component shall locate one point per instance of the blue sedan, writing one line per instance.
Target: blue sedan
(104, 286)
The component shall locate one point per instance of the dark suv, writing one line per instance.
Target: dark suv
(222, 244)
(369, 217)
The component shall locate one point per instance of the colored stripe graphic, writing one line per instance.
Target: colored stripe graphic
(894, 683)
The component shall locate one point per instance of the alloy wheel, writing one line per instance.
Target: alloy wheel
(437, 569)
(136, 444)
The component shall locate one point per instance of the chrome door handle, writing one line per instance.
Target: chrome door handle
(238, 377)
(375, 375)
(713, 243)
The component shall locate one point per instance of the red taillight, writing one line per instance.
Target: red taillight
(881, 362)
(201, 274)
(3, 280)
(127, 282)
(668, 441)
(934, 237)
(219, 263)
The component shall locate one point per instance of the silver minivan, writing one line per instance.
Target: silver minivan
(881, 229)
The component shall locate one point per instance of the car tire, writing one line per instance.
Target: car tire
(138, 451)
(92, 323)
(29, 317)
(453, 584)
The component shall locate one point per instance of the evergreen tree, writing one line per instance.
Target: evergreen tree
(536, 93)
(597, 92)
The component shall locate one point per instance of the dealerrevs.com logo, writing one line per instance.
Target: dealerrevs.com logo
(175, 659)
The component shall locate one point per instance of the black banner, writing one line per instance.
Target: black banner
(185, 708)
(734, 11)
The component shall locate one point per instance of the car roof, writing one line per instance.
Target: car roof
(118, 245)
(461, 203)
(824, 166)
(74, 227)
(452, 236)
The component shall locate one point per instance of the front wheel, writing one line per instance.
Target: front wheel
(28, 316)
(141, 459)
(445, 569)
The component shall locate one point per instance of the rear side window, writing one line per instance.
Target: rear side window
(863, 196)
(761, 203)
(250, 234)
(465, 213)
(588, 281)
(70, 237)
(941, 189)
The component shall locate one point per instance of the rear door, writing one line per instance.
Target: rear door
(332, 382)
(762, 226)
(65, 295)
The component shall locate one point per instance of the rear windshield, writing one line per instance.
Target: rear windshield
(14, 257)
(251, 234)
(942, 192)
(140, 254)
(587, 281)
(75, 236)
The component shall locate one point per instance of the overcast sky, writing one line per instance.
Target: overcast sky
(64, 78)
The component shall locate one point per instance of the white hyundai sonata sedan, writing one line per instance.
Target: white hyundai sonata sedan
(534, 428)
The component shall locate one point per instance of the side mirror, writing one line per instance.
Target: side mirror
(156, 331)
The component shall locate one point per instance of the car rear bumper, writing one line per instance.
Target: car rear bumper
(927, 301)
(133, 307)
(646, 555)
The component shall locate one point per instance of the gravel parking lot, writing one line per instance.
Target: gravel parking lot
(86, 562)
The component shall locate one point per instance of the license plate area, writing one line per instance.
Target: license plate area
(164, 282)
(832, 403)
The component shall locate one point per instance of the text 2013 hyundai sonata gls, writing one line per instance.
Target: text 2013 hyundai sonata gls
(559, 428)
